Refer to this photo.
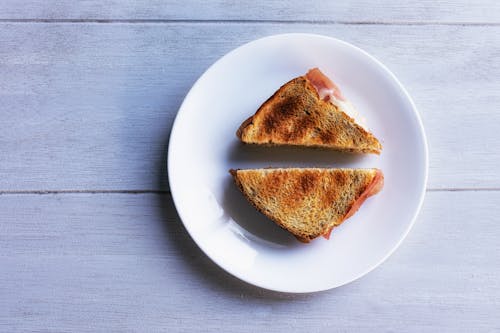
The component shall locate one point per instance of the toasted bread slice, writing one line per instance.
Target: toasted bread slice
(308, 202)
(308, 111)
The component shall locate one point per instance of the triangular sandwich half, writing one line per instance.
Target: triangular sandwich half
(308, 202)
(309, 111)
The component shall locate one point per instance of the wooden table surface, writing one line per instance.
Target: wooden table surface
(89, 237)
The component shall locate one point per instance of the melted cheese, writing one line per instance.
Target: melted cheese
(349, 109)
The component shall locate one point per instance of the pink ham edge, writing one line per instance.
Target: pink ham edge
(327, 90)
(372, 189)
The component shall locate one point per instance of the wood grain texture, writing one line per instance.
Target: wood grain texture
(88, 94)
(458, 11)
(121, 262)
(90, 106)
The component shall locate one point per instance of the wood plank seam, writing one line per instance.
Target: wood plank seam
(167, 192)
(239, 21)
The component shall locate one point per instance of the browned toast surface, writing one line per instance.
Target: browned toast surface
(295, 115)
(308, 202)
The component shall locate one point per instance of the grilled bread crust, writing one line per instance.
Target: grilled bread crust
(308, 202)
(295, 115)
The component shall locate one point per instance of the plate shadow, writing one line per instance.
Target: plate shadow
(241, 154)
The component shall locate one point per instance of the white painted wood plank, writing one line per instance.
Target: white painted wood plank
(90, 106)
(115, 262)
(290, 10)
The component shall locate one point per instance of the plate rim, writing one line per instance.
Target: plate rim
(422, 188)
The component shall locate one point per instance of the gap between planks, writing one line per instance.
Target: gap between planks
(187, 21)
(44, 192)
(167, 192)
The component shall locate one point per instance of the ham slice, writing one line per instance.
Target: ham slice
(330, 92)
(327, 90)
(372, 189)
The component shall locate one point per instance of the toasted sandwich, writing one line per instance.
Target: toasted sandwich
(309, 111)
(308, 202)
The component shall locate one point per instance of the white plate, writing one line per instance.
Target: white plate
(203, 147)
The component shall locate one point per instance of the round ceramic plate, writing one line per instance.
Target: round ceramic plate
(203, 147)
